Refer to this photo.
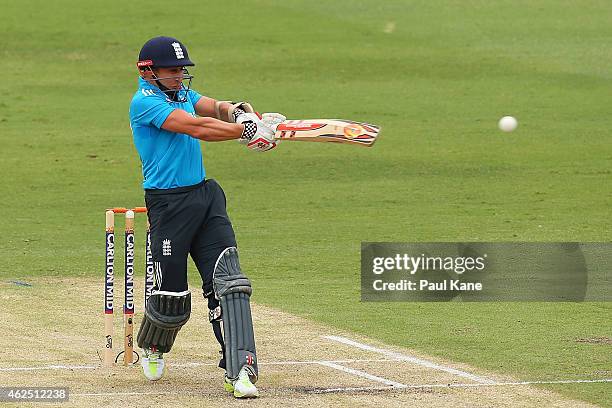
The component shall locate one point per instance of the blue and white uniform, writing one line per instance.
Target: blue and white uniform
(169, 160)
(186, 211)
(188, 217)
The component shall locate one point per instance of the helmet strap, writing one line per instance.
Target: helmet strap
(172, 94)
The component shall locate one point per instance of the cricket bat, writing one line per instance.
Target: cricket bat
(328, 130)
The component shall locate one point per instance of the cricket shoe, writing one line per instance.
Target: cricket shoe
(242, 387)
(153, 364)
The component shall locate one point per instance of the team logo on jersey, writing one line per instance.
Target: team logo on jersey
(178, 50)
(166, 247)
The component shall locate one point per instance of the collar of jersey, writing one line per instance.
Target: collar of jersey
(145, 85)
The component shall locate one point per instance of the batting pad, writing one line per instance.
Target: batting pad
(233, 289)
(165, 314)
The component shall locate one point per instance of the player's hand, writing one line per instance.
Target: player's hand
(248, 117)
(273, 119)
(257, 136)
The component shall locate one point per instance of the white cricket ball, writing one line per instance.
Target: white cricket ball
(508, 123)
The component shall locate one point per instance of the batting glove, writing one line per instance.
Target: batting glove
(273, 119)
(256, 135)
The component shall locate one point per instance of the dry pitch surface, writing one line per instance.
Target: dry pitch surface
(54, 335)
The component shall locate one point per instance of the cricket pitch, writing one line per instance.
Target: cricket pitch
(57, 337)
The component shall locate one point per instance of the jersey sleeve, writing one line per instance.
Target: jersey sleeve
(149, 110)
(194, 97)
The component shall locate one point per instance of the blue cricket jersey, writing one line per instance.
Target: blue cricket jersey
(168, 159)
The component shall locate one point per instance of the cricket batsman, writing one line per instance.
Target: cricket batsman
(187, 211)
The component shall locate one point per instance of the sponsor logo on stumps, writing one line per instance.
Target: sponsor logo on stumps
(129, 273)
(110, 273)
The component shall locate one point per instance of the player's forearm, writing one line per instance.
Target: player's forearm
(209, 107)
(222, 113)
(204, 128)
(214, 130)
(222, 110)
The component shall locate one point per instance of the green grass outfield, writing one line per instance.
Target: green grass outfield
(436, 75)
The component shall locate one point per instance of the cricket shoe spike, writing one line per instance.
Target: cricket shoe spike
(153, 364)
(242, 387)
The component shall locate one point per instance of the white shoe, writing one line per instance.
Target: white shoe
(152, 364)
(242, 387)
